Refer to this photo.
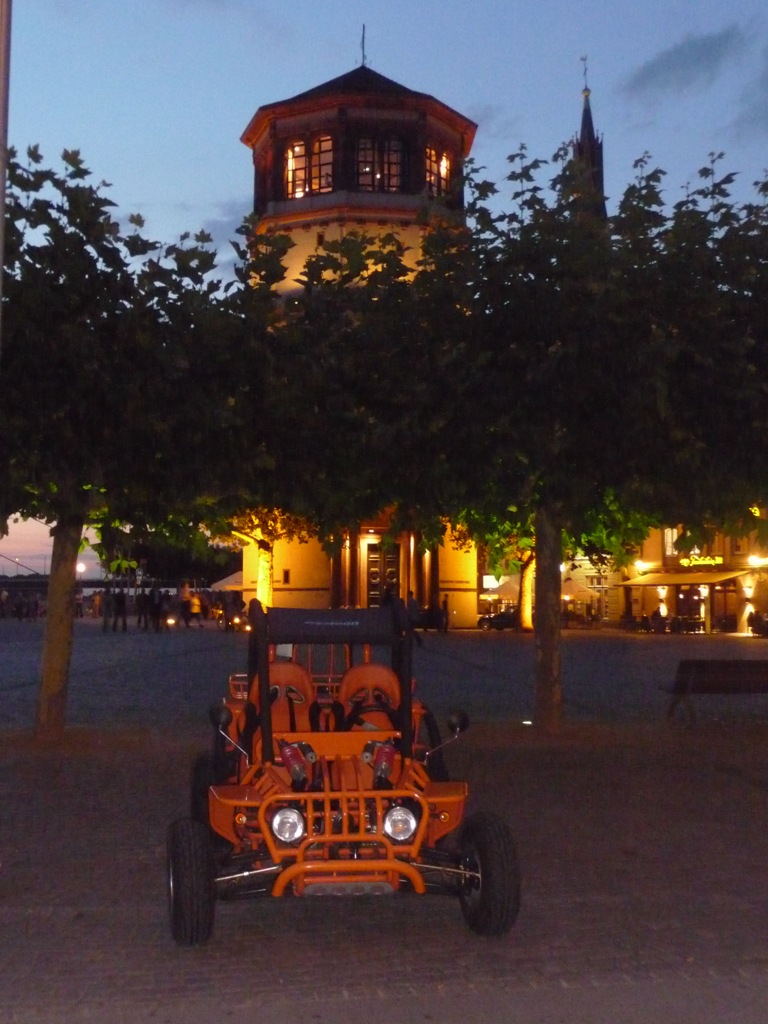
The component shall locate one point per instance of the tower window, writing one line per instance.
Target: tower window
(322, 164)
(379, 165)
(295, 170)
(438, 172)
(308, 167)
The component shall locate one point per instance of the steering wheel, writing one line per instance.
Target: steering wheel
(356, 716)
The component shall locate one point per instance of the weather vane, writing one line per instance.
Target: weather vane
(584, 62)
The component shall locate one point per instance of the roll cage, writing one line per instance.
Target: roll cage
(358, 629)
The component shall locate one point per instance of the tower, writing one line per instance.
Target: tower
(588, 159)
(359, 152)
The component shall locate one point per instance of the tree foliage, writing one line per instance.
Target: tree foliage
(124, 398)
(596, 376)
(543, 374)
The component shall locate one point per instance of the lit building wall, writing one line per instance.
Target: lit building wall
(458, 582)
(301, 575)
(308, 238)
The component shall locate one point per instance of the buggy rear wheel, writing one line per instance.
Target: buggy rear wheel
(191, 894)
(490, 895)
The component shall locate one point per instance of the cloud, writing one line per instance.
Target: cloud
(494, 120)
(753, 117)
(695, 61)
(228, 216)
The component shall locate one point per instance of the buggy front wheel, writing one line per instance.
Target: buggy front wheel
(191, 894)
(490, 892)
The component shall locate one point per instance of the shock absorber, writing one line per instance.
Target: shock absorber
(383, 763)
(295, 762)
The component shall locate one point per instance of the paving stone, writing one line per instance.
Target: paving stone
(643, 852)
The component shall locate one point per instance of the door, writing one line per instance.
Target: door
(382, 572)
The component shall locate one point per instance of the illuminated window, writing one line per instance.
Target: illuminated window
(380, 165)
(295, 170)
(438, 172)
(670, 536)
(322, 164)
(308, 167)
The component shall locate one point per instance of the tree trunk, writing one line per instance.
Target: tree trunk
(548, 702)
(525, 600)
(265, 576)
(57, 645)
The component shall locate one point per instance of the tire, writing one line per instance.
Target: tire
(490, 903)
(485, 626)
(191, 894)
(203, 777)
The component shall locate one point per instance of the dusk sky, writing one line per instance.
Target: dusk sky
(156, 93)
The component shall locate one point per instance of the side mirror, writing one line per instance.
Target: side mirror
(458, 722)
(220, 716)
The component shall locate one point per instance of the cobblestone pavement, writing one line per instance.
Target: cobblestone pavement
(643, 851)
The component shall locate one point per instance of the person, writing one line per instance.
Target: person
(142, 609)
(196, 608)
(166, 606)
(414, 615)
(79, 603)
(658, 625)
(155, 608)
(120, 610)
(186, 603)
(444, 615)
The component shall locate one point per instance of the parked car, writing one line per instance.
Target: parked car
(498, 620)
(320, 783)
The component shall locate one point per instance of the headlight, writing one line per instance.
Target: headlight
(288, 825)
(400, 823)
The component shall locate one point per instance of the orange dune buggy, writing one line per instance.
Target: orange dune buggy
(328, 781)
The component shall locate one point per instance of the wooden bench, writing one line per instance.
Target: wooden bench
(715, 676)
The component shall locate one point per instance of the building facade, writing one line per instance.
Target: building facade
(718, 588)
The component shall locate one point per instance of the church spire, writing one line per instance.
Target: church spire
(588, 154)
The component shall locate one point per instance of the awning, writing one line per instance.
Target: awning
(570, 590)
(233, 582)
(683, 579)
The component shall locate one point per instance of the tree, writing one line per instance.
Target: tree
(127, 400)
(633, 365)
(264, 527)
